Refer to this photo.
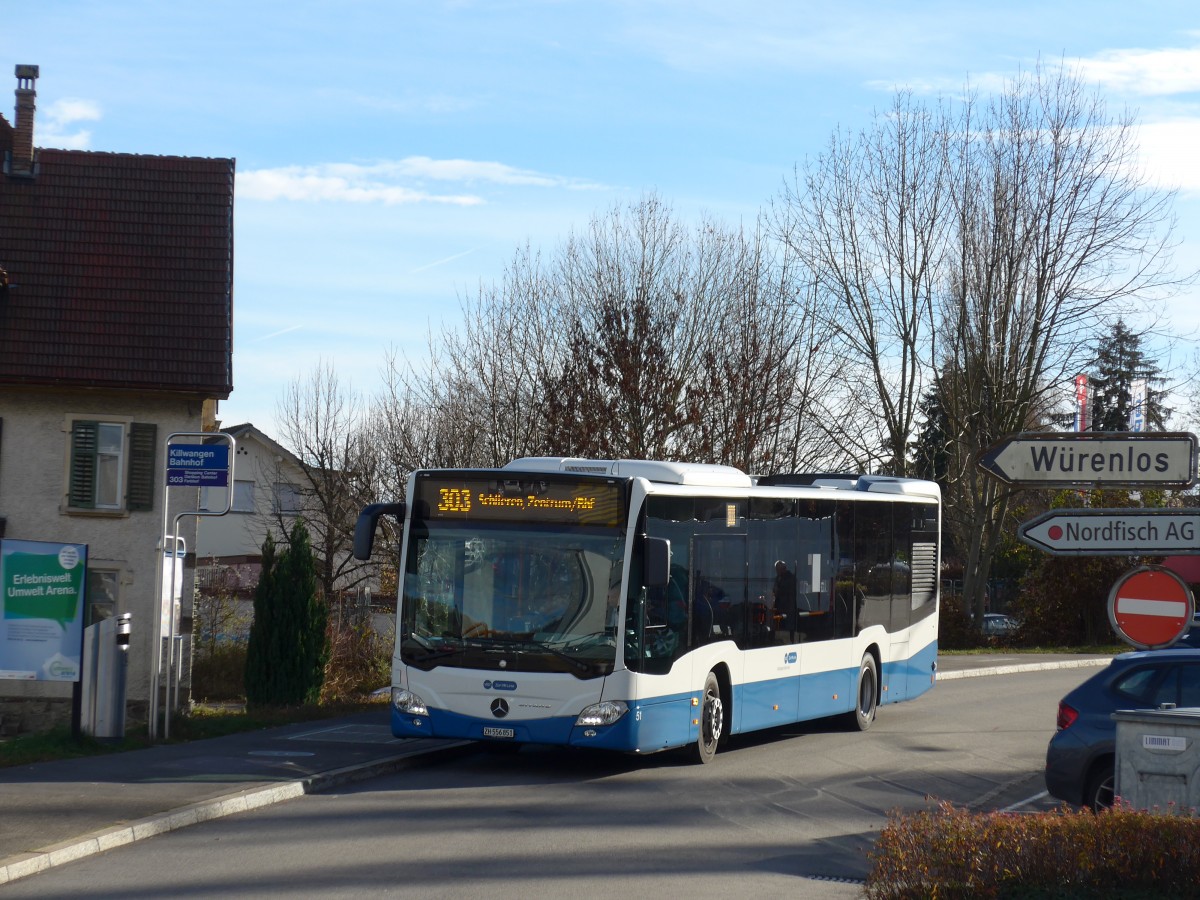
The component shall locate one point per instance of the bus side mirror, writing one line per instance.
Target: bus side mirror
(658, 561)
(368, 519)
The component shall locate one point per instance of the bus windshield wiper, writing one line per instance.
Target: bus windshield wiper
(538, 646)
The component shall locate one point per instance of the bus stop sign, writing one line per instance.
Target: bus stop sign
(1150, 607)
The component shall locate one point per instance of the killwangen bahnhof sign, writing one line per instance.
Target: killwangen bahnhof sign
(197, 465)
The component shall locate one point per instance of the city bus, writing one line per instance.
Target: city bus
(640, 606)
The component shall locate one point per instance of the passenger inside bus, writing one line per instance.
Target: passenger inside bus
(784, 594)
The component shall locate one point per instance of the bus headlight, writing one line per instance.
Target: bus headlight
(604, 713)
(408, 703)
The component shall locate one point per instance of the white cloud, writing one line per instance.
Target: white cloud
(347, 185)
(953, 88)
(1168, 152)
(55, 126)
(390, 182)
(1171, 70)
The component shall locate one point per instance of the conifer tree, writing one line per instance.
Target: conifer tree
(1120, 362)
(289, 646)
(259, 652)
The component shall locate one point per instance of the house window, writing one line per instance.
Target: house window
(212, 499)
(103, 593)
(111, 465)
(110, 448)
(243, 496)
(287, 499)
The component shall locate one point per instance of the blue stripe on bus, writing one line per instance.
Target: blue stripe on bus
(663, 722)
(648, 726)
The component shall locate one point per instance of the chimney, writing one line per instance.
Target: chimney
(22, 146)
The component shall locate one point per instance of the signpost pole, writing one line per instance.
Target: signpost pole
(192, 465)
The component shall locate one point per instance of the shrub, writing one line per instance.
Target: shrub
(360, 661)
(218, 672)
(954, 628)
(952, 853)
(220, 625)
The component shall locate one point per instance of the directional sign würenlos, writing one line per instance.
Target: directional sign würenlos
(1104, 458)
(1114, 532)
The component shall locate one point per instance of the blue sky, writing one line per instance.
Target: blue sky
(392, 155)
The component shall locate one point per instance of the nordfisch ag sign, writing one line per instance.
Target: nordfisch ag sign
(1114, 532)
(1108, 459)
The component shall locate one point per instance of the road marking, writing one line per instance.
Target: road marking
(1034, 799)
(1024, 667)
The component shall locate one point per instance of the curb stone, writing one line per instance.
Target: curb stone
(31, 863)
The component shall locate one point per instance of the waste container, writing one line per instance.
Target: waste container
(1158, 758)
(105, 667)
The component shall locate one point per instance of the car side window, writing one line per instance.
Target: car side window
(1138, 684)
(1167, 690)
(1189, 686)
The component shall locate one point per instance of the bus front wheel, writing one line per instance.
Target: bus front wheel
(866, 695)
(712, 720)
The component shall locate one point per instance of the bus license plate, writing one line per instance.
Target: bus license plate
(498, 732)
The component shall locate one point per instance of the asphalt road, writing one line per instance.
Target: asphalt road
(794, 810)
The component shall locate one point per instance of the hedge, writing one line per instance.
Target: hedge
(1120, 853)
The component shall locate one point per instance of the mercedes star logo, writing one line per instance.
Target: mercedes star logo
(499, 707)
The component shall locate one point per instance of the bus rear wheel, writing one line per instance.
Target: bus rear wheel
(866, 700)
(712, 720)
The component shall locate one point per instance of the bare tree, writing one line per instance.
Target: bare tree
(1054, 232)
(638, 297)
(973, 249)
(322, 421)
(640, 337)
(479, 398)
(869, 217)
(770, 372)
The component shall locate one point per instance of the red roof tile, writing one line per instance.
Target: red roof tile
(121, 272)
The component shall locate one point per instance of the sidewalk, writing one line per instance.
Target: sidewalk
(55, 812)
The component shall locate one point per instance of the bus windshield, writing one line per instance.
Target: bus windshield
(512, 600)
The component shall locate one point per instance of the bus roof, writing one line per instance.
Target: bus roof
(697, 474)
(706, 475)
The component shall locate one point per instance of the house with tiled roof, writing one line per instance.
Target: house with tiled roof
(116, 324)
(268, 492)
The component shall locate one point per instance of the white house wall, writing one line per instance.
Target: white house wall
(34, 457)
(241, 534)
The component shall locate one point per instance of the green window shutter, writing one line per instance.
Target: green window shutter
(81, 490)
(143, 443)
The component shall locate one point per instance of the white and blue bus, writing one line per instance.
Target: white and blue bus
(637, 606)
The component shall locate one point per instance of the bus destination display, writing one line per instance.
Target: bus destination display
(522, 500)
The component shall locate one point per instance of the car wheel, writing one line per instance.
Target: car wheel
(866, 695)
(712, 721)
(1100, 786)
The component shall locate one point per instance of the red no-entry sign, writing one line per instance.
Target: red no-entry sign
(1150, 607)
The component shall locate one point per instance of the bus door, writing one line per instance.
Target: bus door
(717, 605)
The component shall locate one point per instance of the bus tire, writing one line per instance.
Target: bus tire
(866, 695)
(712, 720)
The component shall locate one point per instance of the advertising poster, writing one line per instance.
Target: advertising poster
(41, 609)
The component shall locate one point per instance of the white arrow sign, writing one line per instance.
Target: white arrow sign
(1109, 459)
(1114, 532)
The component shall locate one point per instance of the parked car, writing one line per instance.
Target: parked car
(1192, 637)
(1081, 755)
(998, 624)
